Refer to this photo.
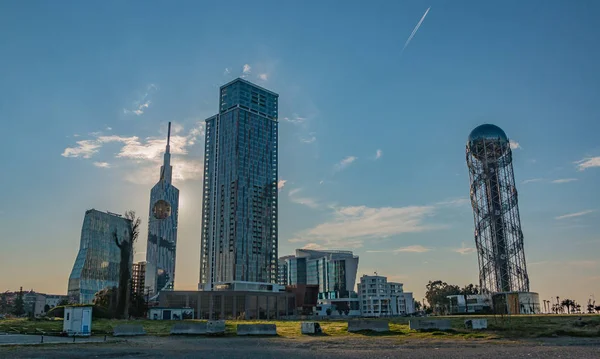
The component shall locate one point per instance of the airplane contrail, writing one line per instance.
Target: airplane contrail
(415, 29)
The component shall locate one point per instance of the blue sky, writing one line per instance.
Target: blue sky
(372, 138)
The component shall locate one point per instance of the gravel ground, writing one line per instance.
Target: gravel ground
(322, 347)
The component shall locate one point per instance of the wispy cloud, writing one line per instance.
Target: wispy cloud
(281, 184)
(414, 32)
(246, 69)
(564, 180)
(102, 164)
(464, 249)
(454, 202)
(412, 249)
(109, 128)
(576, 214)
(314, 246)
(295, 119)
(351, 226)
(345, 163)
(532, 180)
(378, 154)
(514, 145)
(263, 77)
(145, 156)
(294, 196)
(141, 105)
(226, 71)
(588, 162)
(310, 139)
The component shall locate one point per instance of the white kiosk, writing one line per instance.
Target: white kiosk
(78, 321)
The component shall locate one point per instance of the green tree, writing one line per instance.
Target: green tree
(569, 304)
(437, 293)
(4, 307)
(19, 306)
(126, 247)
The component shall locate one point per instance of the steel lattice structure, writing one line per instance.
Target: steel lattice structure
(498, 234)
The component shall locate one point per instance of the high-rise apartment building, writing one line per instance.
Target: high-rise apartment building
(239, 214)
(162, 229)
(97, 264)
(138, 279)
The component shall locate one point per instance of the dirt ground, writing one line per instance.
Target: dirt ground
(311, 347)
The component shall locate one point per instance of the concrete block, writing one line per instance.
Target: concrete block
(372, 325)
(215, 327)
(128, 330)
(476, 323)
(256, 329)
(310, 328)
(189, 328)
(425, 324)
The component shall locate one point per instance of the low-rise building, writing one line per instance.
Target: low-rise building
(380, 298)
(471, 303)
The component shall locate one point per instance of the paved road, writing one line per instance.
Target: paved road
(371, 347)
(11, 339)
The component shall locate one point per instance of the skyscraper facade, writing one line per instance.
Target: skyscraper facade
(162, 229)
(97, 264)
(239, 214)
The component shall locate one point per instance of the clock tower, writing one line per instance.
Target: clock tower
(162, 230)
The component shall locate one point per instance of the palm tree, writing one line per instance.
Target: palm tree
(568, 303)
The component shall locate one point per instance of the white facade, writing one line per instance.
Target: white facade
(380, 298)
(472, 303)
(78, 321)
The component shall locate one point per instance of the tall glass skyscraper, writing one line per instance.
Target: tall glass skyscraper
(97, 264)
(239, 215)
(162, 229)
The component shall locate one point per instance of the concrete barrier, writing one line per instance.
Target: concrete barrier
(199, 328)
(424, 324)
(128, 330)
(189, 329)
(215, 327)
(476, 323)
(372, 325)
(310, 328)
(256, 329)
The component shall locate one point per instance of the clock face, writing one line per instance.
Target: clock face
(162, 209)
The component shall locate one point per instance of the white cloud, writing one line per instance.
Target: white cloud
(378, 154)
(576, 214)
(351, 226)
(139, 106)
(310, 139)
(306, 201)
(564, 180)
(533, 180)
(109, 128)
(314, 246)
(454, 202)
(102, 164)
(263, 77)
(514, 145)
(226, 72)
(85, 149)
(464, 249)
(246, 69)
(295, 119)
(412, 249)
(281, 184)
(345, 163)
(588, 162)
(144, 157)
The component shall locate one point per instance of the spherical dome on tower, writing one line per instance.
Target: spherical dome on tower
(484, 136)
(487, 132)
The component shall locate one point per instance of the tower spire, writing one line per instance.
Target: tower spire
(166, 169)
(169, 138)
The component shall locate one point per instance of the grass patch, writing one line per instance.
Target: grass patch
(507, 327)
